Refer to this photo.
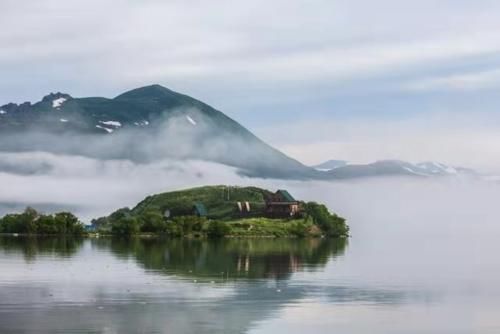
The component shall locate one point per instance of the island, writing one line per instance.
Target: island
(202, 212)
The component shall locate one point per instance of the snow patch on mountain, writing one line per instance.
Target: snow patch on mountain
(437, 168)
(63, 120)
(413, 171)
(141, 123)
(2, 112)
(57, 103)
(115, 124)
(330, 165)
(190, 120)
(342, 169)
(104, 128)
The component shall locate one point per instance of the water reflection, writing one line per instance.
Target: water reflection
(164, 286)
(32, 247)
(227, 259)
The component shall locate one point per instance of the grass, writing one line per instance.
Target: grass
(266, 227)
(220, 204)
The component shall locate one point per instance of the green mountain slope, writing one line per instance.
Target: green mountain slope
(220, 201)
(147, 123)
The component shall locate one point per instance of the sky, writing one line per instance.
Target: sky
(319, 79)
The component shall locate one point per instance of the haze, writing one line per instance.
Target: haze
(321, 80)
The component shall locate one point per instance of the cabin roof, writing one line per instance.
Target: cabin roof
(286, 195)
(200, 209)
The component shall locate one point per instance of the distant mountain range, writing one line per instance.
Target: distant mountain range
(340, 169)
(330, 164)
(154, 122)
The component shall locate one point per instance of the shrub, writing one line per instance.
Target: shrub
(153, 222)
(331, 225)
(188, 224)
(336, 227)
(174, 228)
(299, 229)
(126, 226)
(217, 229)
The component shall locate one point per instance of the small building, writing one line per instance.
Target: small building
(200, 210)
(90, 228)
(282, 205)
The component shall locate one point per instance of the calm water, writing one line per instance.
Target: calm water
(417, 263)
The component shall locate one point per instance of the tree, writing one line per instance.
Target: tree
(32, 222)
(217, 229)
(67, 223)
(126, 226)
(336, 227)
(46, 225)
(11, 223)
(100, 223)
(152, 221)
(331, 225)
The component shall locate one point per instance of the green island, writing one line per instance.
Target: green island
(209, 211)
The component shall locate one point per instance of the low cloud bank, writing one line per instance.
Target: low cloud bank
(93, 187)
(176, 134)
(451, 137)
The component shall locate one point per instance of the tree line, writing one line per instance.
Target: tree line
(124, 222)
(32, 222)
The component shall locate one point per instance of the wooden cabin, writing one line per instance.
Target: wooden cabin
(282, 205)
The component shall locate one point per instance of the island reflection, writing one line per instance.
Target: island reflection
(183, 286)
(227, 259)
(220, 260)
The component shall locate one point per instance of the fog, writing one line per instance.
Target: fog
(93, 175)
(93, 187)
(179, 134)
(432, 241)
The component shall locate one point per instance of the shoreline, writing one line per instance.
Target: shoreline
(165, 236)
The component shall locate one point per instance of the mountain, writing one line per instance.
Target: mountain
(153, 123)
(138, 108)
(330, 164)
(391, 168)
(143, 124)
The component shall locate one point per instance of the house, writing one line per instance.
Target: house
(90, 228)
(282, 205)
(199, 210)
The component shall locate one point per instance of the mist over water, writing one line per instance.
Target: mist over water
(422, 258)
(94, 186)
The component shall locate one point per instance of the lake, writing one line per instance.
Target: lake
(423, 258)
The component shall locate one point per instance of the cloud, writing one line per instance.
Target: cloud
(262, 62)
(241, 45)
(93, 175)
(467, 82)
(452, 137)
(94, 187)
